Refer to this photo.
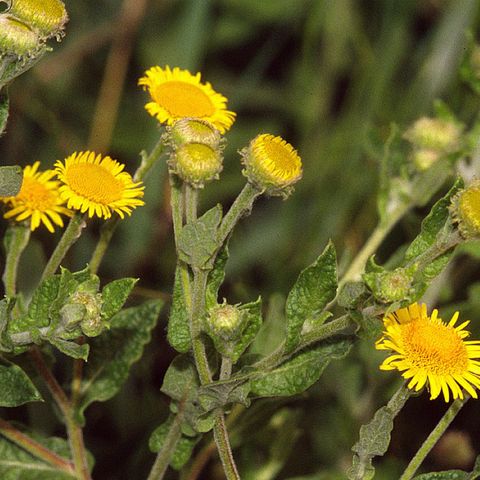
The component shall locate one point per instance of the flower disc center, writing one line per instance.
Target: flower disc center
(36, 195)
(281, 157)
(183, 99)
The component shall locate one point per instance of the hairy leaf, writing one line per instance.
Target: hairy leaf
(4, 104)
(15, 386)
(314, 288)
(215, 277)
(301, 372)
(115, 294)
(178, 330)
(114, 352)
(11, 178)
(71, 349)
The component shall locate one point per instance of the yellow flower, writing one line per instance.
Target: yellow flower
(431, 352)
(465, 209)
(38, 199)
(272, 164)
(98, 185)
(178, 94)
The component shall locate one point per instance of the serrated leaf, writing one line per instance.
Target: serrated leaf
(447, 475)
(302, 371)
(314, 288)
(114, 352)
(11, 178)
(197, 241)
(183, 449)
(178, 330)
(115, 294)
(18, 464)
(432, 224)
(4, 104)
(72, 349)
(15, 386)
(216, 277)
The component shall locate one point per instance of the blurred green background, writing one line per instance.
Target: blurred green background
(330, 76)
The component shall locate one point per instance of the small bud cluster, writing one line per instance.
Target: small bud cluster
(196, 156)
(226, 321)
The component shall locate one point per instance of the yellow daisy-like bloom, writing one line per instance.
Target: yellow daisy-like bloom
(466, 210)
(38, 199)
(98, 185)
(272, 164)
(431, 352)
(178, 94)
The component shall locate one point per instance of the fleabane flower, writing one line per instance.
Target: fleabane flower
(177, 94)
(98, 185)
(272, 164)
(38, 200)
(430, 352)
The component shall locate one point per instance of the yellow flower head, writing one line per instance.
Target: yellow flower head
(38, 199)
(178, 94)
(272, 164)
(466, 210)
(98, 185)
(431, 352)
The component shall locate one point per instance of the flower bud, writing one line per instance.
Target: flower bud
(193, 130)
(391, 286)
(48, 17)
(226, 321)
(196, 163)
(90, 304)
(465, 210)
(16, 38)
(425, 158)
(272, 165)
(434, 134)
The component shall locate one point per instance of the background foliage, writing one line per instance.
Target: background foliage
(329, 76)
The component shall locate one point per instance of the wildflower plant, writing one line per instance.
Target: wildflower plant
(76, 323)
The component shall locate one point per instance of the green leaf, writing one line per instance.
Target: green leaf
(216, 277)
(447, 475)
(314, 288)
(218, 395)
(11, 178)
(197, 241)
(181, 379)
(71, 349)
(18, 464)
(15, 386)
(114, 352)
(253, 311)
(302, 371)
(183, 450)
(6, 305)
(178, 330)
(4, 104)
(115, 294)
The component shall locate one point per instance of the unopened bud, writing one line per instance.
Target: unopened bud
(391, 286)
(226, 321)
(16, 38)
(91, 323)
(425, 158)
(465, 210)
(193, 130)
(434, 134)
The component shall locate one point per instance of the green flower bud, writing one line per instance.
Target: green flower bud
(425, 158)
(391, 286)
(91, 323)
(193, 130)
(465, 210)
(196, 163)
(48, 17)
(16, 38)
(226, 321)
(434, 134)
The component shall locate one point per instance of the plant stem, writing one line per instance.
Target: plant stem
(433, 438)
(220, 435)
(69, 237)
(191, 203)
(240, 207)
(74, 432)
(166, 453)
(16, 239)
(34, 448)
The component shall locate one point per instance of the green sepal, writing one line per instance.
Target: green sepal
(15, 386)
(183, 450)
(114, 295)
(178, 329)
(11, 178)
(216, 277)
(197, 241)
(71, 349)
(113, 353)
(315, 287)
(300, 372)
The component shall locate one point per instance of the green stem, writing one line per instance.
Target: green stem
(220, 435)
(176, 200)
(433, 438)
(166, 453)
(191, 203)
(241, 206)
(69, 237)
(36, 449)
(149, 161)
(16, 239)
(225, 369)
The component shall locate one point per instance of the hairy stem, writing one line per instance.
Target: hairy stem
(69, 237)
(34, 448)
(433, 438)
(16, 239)
(191, 203)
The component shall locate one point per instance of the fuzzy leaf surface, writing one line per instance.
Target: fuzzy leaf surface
(11, 178)
(15, 386)
(178, 330)
(314, 288)
(299, 373)
(115, 294)
(71, 349)
(216, 277)
(114, 352)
